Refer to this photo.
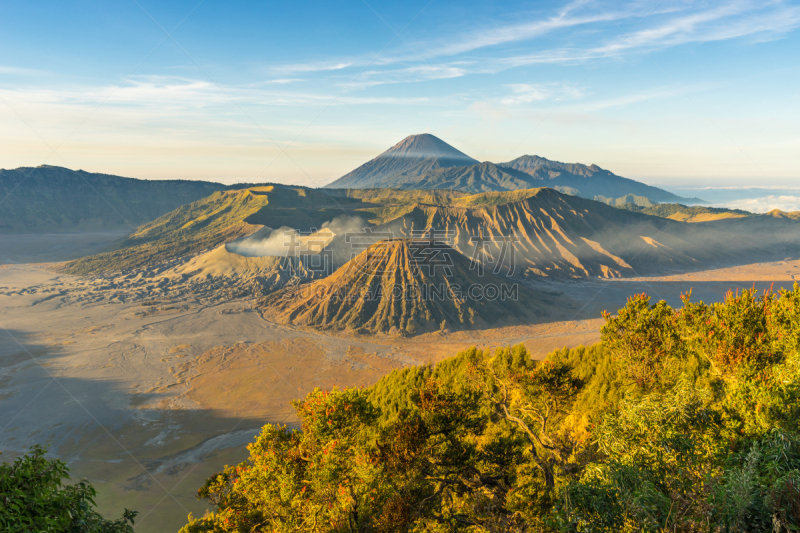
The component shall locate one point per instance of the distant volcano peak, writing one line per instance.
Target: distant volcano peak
(424, 161)
(425, 145)
(413, 156)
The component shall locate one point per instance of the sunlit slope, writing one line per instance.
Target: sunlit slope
(777, 213)
(270, 272)
(383, 205)
(491, 199)
(406, 286)
(226, 216)
(56, 199)
(191, 228)
(302, 207)
(683, 213)
(550, 234)
(385, 196)
(219, 218)
(562, 236)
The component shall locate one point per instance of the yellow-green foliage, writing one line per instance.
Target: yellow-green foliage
(393, 393)
(491, 199)
(680, 420)
(404, 197)
(393, 203)
(382, 214)
(441, 197)
(604, 383)
(694, 213)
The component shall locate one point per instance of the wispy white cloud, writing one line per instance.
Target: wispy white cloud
(468, 41)
(181, 127)
(730, 21)
(167, 111)
(655, 27)
(481, 38)
(525, 93)
(316, 66)
(765, 204)
(21, 71)
(425, 72)
(656, 93)
(574, 98)
(281, 81)
(170, 95)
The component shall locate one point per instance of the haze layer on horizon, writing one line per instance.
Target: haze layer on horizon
(669, 93)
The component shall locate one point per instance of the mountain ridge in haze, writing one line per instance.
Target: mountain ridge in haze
(590, 180)
(426, 162)
(57, 199)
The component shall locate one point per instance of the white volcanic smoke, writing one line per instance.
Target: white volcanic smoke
(285, 240)
(346, 224)
(275, 244)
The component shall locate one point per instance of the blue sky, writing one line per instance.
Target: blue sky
(691, 94)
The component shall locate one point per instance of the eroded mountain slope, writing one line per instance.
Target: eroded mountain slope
(562, 236)
(191, 228)
(533, 232)
(217, 219)
(402, 286)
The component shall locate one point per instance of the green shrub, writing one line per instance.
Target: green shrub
(33, 498)
(680, 420)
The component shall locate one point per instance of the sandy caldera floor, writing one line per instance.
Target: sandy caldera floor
(41, 247)
(148, 396)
